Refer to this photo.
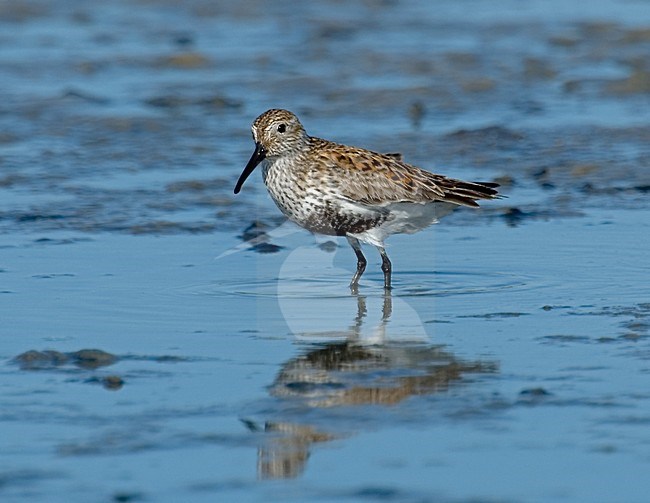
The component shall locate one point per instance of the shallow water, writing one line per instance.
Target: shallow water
(510, 362)
(505, 378)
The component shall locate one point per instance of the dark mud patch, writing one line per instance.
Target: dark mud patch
(635, 322)
(491, 316)
(86, 359)
(49, 359)
(205, 103)
(328, 246)
(111, 382)
(561, 339)
(131, 438)
(12, 478)
(258, 235)
(127, 497)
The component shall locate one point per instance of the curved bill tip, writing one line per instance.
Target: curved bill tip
(258, 156)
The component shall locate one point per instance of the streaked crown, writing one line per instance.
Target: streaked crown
(279, 132)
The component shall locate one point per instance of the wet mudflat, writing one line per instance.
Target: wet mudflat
(164, 340)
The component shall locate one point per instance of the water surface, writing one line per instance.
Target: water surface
(510, 362)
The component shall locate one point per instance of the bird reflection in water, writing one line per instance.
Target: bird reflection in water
(352, 372)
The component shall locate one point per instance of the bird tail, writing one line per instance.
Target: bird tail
(467, 193)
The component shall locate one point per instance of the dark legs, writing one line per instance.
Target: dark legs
(386, 266)
(361, 265)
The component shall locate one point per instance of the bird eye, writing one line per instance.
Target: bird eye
(282, 128)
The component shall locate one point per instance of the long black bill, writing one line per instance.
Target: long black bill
(257, 157)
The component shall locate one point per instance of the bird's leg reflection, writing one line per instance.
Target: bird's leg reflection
(362, 311)
(387, 309)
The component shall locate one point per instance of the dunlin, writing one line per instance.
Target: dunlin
(339, 190)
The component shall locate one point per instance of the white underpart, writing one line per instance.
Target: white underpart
(404, 218)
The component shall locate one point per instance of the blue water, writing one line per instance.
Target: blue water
(510, 362)
(175, 430)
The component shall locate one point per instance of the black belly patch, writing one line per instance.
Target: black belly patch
(338, 223)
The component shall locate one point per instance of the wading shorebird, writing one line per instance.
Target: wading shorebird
(339, 190)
